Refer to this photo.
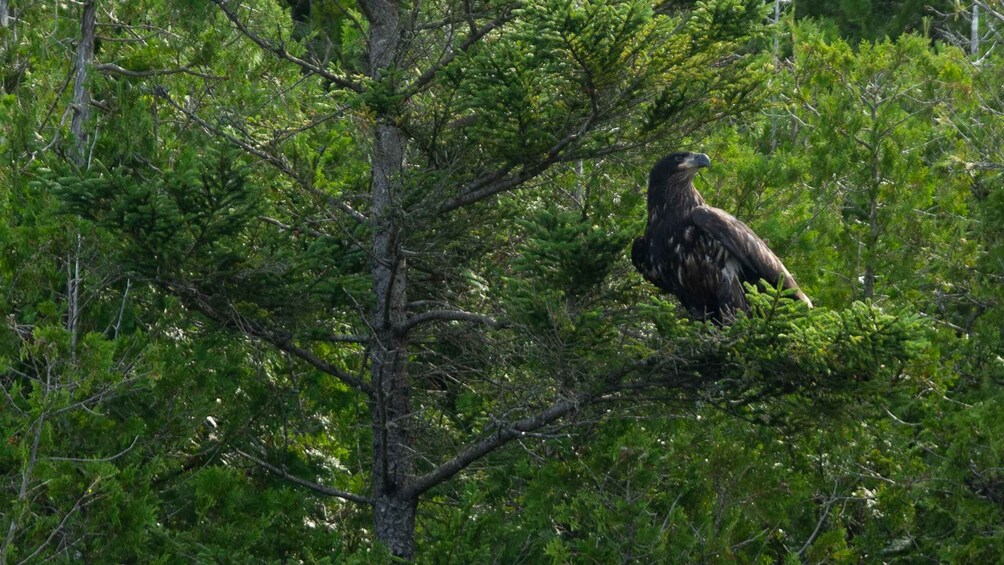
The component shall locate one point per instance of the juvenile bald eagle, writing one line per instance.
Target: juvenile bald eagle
(701, 254)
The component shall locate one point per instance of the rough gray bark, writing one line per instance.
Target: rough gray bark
(73, 281)
(868, 290)
(871, 243)
(16, 515)
(777, 65)
(81, 106)
(391, 42)
(81, 97)
(390, 405)
(974, 31)
(390, 400)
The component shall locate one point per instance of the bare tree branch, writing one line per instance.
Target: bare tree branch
(448, 316)
(500, 437)
(265, 156)
(501, 180)
(273, 160)
(343, 338)
(289, 228)
(281, 52)
(62, 523)
(115, 69)
(318, 488)
(97, 460)
(658, 372)
(824, 514)
(27, 468)
(199, 302)
(473, 39)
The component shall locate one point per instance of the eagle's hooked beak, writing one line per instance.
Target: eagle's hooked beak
(696, 161)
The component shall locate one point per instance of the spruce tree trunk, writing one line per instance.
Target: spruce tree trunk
(81, 106)
(81, 97)
(974, 32)
(393, 508)
(394, 511)
(395, 524)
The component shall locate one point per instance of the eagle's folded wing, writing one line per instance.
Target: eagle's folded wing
(751, 251)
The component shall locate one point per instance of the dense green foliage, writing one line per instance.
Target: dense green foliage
(185, 338)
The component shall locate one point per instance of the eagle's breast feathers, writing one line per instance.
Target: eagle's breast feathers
(701, 254)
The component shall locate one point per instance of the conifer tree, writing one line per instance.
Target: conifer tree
(352, 252)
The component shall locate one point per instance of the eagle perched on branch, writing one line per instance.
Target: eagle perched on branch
(701, 254)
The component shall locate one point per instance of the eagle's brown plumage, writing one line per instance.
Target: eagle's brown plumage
(701, 254)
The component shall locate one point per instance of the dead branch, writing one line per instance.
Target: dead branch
(318, 488)
(281, 52)
(448, 316)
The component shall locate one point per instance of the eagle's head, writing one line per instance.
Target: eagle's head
(682, 166)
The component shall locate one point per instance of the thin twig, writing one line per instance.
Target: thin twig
(62, 523)
(501, 181)
(118, 319)
(475, 36)
(448, 316)
(318, 488)
(98, 460)
(196, 300)
(269, 158)
(115, 69)
(281, 52)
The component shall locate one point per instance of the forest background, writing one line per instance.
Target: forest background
(333, 281)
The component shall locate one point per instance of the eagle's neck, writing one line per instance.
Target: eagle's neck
(674, 198)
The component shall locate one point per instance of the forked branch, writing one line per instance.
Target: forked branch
(281, 52)
(448, 316)
(503, 180)
(613, 384)
(497, 439)
(199, 302)
(473, 39)
(318, 488)
(274, 160)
